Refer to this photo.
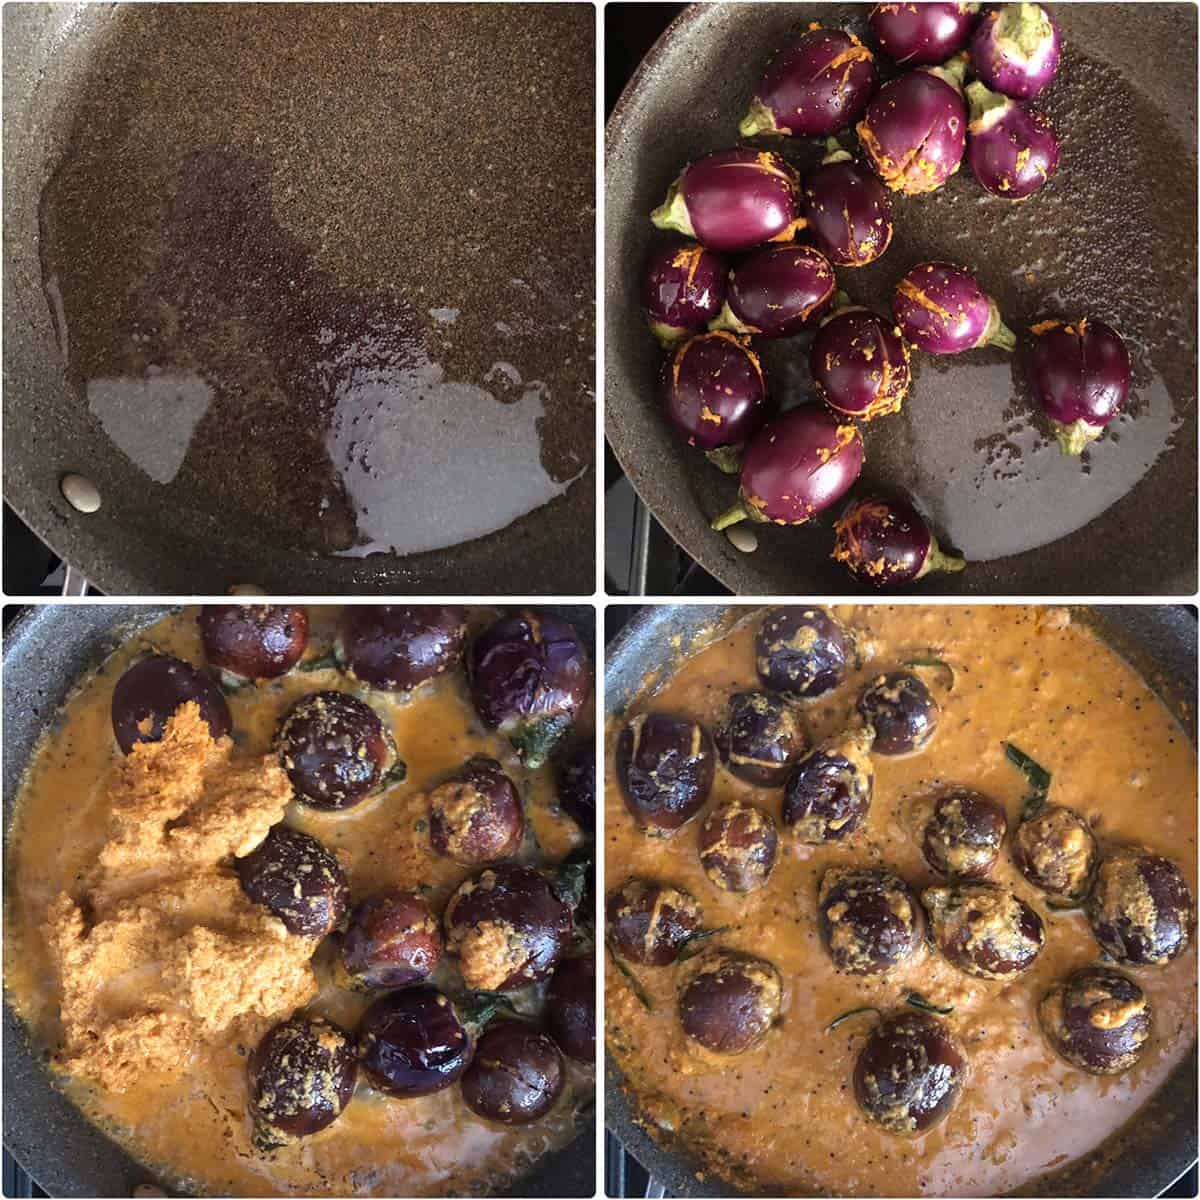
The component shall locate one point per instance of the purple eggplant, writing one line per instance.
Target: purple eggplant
(796, 467)
(847, 210)
(1012, 149)
(915, 129)
(859, 364)
(941, 309)
(922, 35)
(884, 542)
(734, 200)
(683, 289)
(1015, 50)
(1080, 375)
(714, 393)
(777, 291)
(814, 87)
(529, 677)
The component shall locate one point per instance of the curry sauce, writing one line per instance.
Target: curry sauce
(192, 1125)
(782, 1118)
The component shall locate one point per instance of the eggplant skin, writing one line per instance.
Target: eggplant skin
(733, 200)
(941, 309)
(914, 132)
(799, 465)
(860, 364)
(1097, 1019)
(882, 541)
(922, 34)
(683, 288)
(665, 768)
(815, 87)
(713, 391)
(1015, 50)
(778, 291)
(801, 653)
(1140, 908)
(529, 676)
(848, 212)
(909, 1073)
(1081, 375)
(1012, 150)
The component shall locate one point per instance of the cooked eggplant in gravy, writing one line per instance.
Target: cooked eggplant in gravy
(227, 878)
(950, 1014)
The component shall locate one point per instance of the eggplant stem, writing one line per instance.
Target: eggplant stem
(1076, 437)
(984, 102)
(726, 319)
(931, 661)
(726, 458)
(265, 1139)
(758, 120)
(731, 516)
(672, 213)
(668, 335)
(1024, 24)
(1003, 337)
(478, 1008)
(938, 560)
(953, 71)
(835, 152)
(396, 773)
(570, 881)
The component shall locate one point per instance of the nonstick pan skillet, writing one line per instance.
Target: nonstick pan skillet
(1159, 1144)
(230, 231)
(46, 650)
(1112, 235)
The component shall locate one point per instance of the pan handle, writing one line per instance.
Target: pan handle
(639, 558)
(74, 582)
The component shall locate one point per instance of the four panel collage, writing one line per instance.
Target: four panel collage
(600, 599)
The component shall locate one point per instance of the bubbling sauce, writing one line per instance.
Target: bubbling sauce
(783, 1118)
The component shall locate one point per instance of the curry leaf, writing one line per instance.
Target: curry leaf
(916, 1000)
(634, 983)
(1038, 776)
(846, 1016)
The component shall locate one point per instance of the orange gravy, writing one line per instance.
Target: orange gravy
(783, 1118)
(194, 1127)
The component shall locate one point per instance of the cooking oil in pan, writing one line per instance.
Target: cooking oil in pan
(298, 304)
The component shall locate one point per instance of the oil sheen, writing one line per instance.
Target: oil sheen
(323, 273)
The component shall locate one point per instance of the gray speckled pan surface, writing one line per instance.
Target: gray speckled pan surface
(307, 290)
(46, 650)
(1159, 1144)
(1113, 235)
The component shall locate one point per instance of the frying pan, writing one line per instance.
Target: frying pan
(231, 231)
(46, 650)
(1112, 236)
(1154, 1148)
